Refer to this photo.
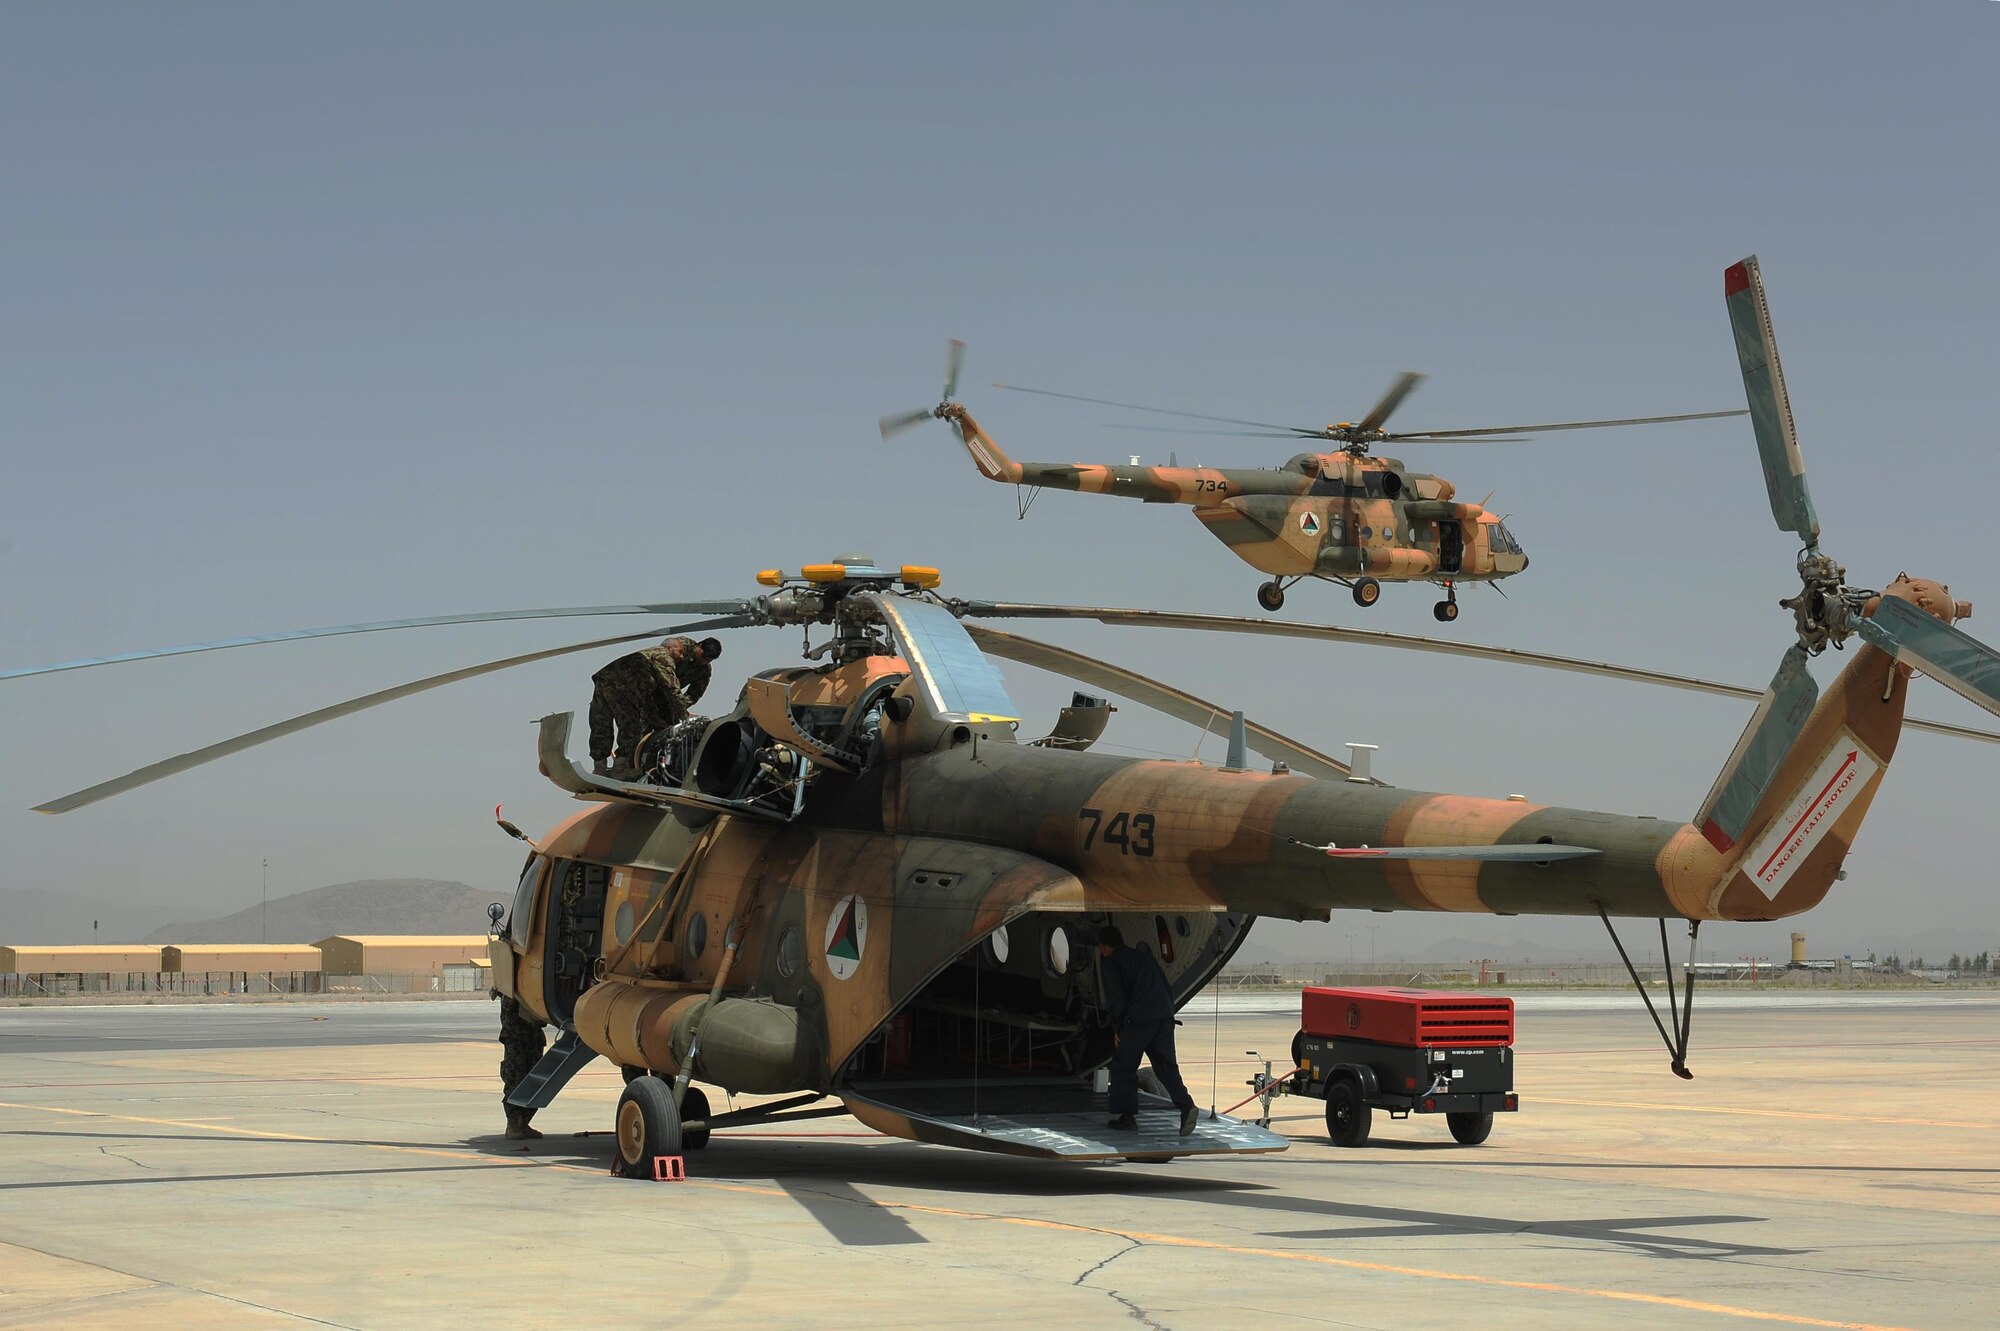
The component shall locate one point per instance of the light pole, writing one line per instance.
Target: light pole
(264, 910)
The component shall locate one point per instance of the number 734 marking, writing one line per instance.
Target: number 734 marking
(1131, 833)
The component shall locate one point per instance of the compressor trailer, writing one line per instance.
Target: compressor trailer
(1409, 1051)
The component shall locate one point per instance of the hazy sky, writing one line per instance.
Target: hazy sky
(323, 314)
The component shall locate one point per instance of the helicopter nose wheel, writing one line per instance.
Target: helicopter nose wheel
(1271, 595)
(1446, 610)
(648, 1126)
(1367, 591)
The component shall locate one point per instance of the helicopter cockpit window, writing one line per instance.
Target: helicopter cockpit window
(1503, 540)
(523, 918)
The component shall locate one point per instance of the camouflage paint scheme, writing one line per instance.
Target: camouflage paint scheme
(948, 836)
(1331, 514)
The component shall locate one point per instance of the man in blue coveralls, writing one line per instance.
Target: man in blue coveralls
(1141, 1007)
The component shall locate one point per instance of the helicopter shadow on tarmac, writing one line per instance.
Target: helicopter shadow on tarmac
(822, 1177)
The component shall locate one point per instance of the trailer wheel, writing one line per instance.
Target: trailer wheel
(647, 1126)
(1470, 1129)
(1347, 1114)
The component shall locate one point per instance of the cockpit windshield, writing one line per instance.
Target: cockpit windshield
(1504, 542)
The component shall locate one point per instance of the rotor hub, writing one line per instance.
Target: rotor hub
(1826, 610)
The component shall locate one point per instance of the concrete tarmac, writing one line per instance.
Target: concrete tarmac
(1834, 1164)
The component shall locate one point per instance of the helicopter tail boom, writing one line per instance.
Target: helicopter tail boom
(989, 457)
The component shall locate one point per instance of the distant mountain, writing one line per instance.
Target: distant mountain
(33, 917)
(372, 906)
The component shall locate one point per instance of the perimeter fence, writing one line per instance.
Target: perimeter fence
(1491, 974)
(242, 984)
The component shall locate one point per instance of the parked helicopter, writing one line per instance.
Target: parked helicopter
(1342, 515)
(861, 884)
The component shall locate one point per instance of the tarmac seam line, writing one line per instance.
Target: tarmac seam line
(1317, 1259)
(1764, 1113)
(1162, 1240)
(152, 1284)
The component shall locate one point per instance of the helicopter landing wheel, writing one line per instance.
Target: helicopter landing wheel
(648, 1126)
(1367, 591)
(1446, 611)
(1271, 596)
(694, 1109)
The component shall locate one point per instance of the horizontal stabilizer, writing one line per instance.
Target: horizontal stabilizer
(1538, 853)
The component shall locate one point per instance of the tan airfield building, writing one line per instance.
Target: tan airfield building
(81, 959)
(266, 958)
(398, 954)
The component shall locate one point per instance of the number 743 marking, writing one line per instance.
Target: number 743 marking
(1131, 833)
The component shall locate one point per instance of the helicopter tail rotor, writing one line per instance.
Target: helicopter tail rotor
(954, 359)
(1911, 622)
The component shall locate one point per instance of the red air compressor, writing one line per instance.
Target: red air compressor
(1409, 1051)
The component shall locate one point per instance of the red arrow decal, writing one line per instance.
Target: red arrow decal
(1786, 840)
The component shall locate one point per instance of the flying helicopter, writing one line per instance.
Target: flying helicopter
(1339, 514)
(862, 885)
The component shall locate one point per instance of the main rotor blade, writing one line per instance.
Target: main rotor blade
(1566, 425)
(736, 607)
(195, 758)
(1152, 693)
(1283, 628)
(1379, 414)
(954, 357)
(893, 425)
(1951, 656)
(1770, 405)
(1212, 434)
(1157, 411)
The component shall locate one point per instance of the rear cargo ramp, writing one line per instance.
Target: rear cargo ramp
(1052, 1119)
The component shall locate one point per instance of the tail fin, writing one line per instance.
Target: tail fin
(993, 463)
(1787, 850)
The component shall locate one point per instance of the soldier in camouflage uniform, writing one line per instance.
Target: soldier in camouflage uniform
(692, 666)
(521, 1044)
(642, 692)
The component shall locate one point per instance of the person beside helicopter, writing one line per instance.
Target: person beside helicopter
(521, 1046)
(642, 692)
(1141, 1007)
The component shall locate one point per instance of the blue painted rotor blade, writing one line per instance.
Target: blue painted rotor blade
(1952, 657)
(954, 357)
(1770, 407)
(561, 612)
(1773, 729)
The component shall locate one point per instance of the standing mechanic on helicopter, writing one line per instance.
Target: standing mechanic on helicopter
(642, 692)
